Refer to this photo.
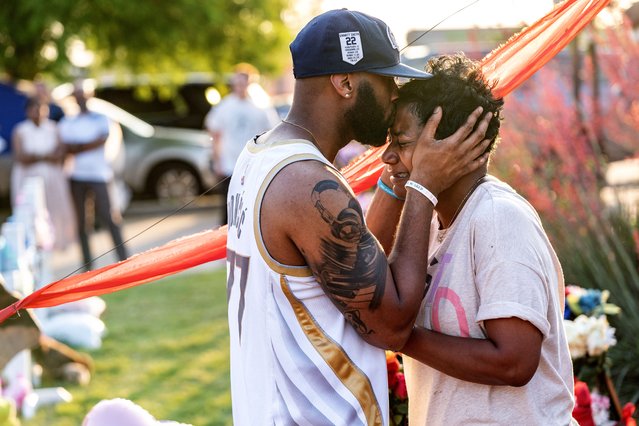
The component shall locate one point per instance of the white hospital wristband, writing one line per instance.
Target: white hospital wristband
(422, 190)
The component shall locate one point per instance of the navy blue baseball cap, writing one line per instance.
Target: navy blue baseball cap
(345, 41)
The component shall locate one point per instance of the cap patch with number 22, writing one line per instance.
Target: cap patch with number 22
(351, 47)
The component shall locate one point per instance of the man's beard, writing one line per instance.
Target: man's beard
(367, 119)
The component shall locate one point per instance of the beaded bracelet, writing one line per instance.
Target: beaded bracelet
(422, 190)
(387, 189)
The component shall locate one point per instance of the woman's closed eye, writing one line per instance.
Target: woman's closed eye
(404, 143)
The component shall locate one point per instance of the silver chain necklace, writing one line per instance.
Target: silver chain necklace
(303, 128)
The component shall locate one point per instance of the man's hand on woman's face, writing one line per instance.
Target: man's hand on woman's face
(437, 164)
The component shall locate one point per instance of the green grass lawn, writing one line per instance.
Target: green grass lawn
(166, 350)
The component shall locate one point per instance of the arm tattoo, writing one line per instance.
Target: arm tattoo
(353, 268)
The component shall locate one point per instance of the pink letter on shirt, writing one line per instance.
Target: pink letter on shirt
(436, 294)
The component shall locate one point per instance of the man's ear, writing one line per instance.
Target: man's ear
(343, 84)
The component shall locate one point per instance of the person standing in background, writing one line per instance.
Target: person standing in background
(233, 122)
(42, 93)
(84, 137)
(38, 153)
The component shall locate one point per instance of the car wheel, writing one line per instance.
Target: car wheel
(174, 182)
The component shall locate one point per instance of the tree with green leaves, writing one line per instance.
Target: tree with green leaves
(142, 36)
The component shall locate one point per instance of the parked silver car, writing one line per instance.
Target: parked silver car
(163, 162)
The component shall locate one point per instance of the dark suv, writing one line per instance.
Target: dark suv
(183, 106)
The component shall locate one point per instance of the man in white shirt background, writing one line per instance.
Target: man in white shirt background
(84, 136)
(238, 118)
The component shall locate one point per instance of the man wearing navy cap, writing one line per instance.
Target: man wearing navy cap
(312, 295)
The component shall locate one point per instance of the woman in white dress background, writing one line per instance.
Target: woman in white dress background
(38, 153)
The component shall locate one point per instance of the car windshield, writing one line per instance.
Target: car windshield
(115, 113)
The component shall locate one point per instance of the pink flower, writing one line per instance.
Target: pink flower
(400, 387)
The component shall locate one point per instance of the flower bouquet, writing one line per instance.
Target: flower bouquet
(589, 302)
(586, 324)
(397, 393)
(593, 409)
(589, 337)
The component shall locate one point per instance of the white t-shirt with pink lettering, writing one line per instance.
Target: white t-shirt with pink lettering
(495, 261)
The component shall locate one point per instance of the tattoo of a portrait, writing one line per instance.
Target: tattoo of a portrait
(353, 268)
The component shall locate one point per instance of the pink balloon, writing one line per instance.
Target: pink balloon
(122, 412)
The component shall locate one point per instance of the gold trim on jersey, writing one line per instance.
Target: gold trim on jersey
(348, 373)
(295, 271)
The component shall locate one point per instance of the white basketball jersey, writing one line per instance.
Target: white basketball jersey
(294, 358)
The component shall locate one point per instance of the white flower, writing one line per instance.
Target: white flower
(601, 336)
(589, 336)
(576, 341)
(575, 289)
(601, 409)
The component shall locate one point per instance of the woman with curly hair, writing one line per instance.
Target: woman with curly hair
(489, 345)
